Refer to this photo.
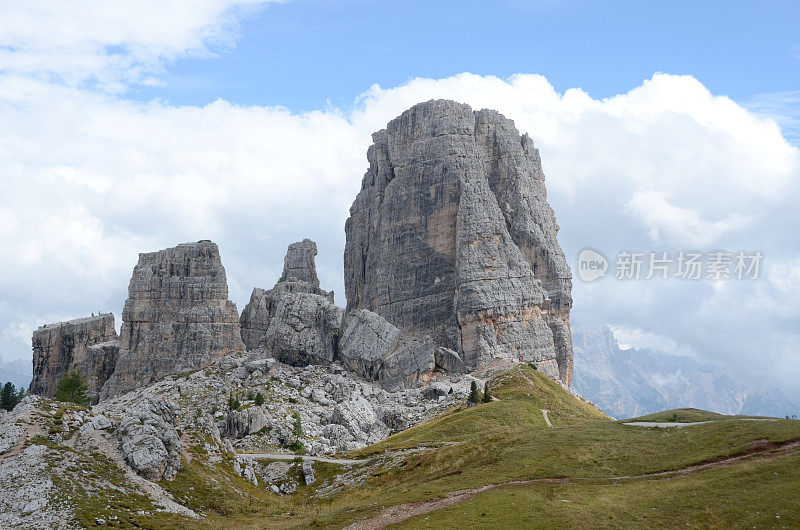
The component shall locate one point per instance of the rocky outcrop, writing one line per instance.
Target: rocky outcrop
(240, 423)
(451, 237)
(150, 444)
(177, 317)
(304, 330)
(377, 351)
(88, 345)
(299, 276)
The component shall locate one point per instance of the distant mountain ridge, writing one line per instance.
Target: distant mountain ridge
(18, 372)
(634, 382)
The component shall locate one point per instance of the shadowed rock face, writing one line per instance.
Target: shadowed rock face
(299, 276)
(177, 317)
(451, 236)
(88, 345)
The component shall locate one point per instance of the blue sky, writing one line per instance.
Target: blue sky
(135, 125)
(306, 53)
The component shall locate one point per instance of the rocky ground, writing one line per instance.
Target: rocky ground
(53, 456)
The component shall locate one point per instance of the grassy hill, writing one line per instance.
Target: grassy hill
(500, 465)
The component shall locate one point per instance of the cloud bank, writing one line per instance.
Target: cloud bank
(90, 179)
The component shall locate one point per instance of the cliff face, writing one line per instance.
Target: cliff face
(451, 236)
(177, 317)
(88, 345)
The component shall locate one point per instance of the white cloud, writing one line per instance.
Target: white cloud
(112, 43)
(90, 179)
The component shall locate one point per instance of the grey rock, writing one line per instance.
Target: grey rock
(375, 349)
(299, 276)
(177, 318)
(451, 236)
(338, 435)
(308, 472)
(304, 330)
(150, 444)
(356, 415)
(448, 360)
(240, 423)
(88, 345)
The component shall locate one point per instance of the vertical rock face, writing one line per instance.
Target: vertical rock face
(451, 236)
(177, 317)
(299, 276)
(88, 345)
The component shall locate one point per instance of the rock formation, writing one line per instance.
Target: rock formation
(304, 329)
(451, 236)
(177, 317)
(88, 345)
(299, 276)
(375, 349)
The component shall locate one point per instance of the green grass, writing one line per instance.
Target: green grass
(752, 495)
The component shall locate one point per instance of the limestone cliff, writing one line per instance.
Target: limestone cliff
(451, 236)
(88, 345)
(177, 317)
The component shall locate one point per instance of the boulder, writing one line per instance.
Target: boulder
(88, 345)
(177, 318)
(448, 360)
(240, 423)
(375, 349)
(304, 330)
(150, 444)
(451, 237)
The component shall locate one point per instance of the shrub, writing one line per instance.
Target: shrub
(259, 399)
(250, 396)
(72, 389)
(233, 403)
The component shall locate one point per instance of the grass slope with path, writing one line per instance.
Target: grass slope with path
(499, 465)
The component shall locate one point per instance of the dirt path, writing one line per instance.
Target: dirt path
(402, 512)
(546, 419)
(284, 456)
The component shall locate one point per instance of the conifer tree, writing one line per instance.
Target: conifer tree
(473, 393)
(8, 397)
(487, 396)
(72, 389)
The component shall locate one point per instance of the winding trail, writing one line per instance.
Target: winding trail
(284, 456)
(402, 512)
(546, 419)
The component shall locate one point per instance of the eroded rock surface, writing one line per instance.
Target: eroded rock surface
(451, 237)
(299, 276)
(177, 317)
(88, 345)
(376, 350)
(150, 444)
(304, 329)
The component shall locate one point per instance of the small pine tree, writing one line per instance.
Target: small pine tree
(473, 393)
(259, 399)
(297, 432)
(233, 403)
(487, 396)
(72, 389)
(8, 397)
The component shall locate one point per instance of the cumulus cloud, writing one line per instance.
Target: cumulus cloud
(90, 179)
(112, 43)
